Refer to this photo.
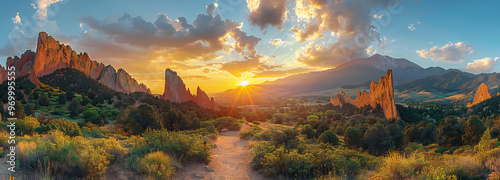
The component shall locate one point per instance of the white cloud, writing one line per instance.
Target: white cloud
(278, 42)
(17, 19)
(450, 53)
(42, 6)
(412, 27)
(482, 65)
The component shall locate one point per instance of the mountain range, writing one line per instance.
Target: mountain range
(357, 74)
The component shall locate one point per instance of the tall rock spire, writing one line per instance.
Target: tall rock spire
(482, 94)
(175, 91)
(380, 94)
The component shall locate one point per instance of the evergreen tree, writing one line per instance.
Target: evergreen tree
(308, 131)
(377, 140)
(328, 137)
(44, 100)
(30, 109)
(352, 138)
(61, 99)
(473, 130)
(19, 110)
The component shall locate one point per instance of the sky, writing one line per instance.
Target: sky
(216, 44)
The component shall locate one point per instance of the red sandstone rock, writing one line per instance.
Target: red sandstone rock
(482, 94)
(175, 91)
(51, 55)
(381, 93)
(3, 74)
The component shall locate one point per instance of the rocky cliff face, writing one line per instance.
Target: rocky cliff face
(3, 74)
(51, 55)
(380, 94)
(175, 91)
(482, 94)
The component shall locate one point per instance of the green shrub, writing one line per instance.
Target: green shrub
(68, 127)
(441, 150)
(71, 157)
(328, 137)
(89, 114)
(179, 144)
(226, 122)
(27, 125)
(308, 131)
(250, 132)
(156, 165)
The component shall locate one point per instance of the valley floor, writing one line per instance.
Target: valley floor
(229, 161)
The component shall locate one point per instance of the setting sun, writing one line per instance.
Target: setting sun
(244, 83)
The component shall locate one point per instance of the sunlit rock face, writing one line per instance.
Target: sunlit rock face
(481, 95)
(175, 91)
(381, 94)
(51, 55)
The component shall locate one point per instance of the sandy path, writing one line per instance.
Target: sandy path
(229, 161)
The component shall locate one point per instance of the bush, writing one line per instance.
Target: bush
(397, 166)
(156, 165)
(70, 157)
(61, 99)
(308, 131)
(328, 137)
(89, 114)
(441, 150)
(227, 122)
(27, 125)
(353, 138)
(250, 132)
(179, 144)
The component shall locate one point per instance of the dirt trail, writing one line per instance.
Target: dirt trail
(229, 161)
(4, 172)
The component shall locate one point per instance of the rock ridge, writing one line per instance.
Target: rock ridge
(51, 55)
(380, 94)
(175, 91)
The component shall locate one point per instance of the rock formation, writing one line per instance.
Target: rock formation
(175, 91)
(51, 55)
(482, 94)
(3, 74)
(380, 94)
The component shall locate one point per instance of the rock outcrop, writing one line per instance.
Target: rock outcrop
(175, 91)
(3, 74)
(380, 94)
(482, 94)
(50, 56)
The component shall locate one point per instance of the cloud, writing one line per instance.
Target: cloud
(237, 68)
(280, 73)
(17, 19)
(482, 65)
(25, 31)
(197, 77)
(412, 27)
(175, 39)
(211, 8)
(351, 20)
(173, 42)
(328, 55)
(278, 42)
(450, 53)
(42, 6)
(264, 13)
